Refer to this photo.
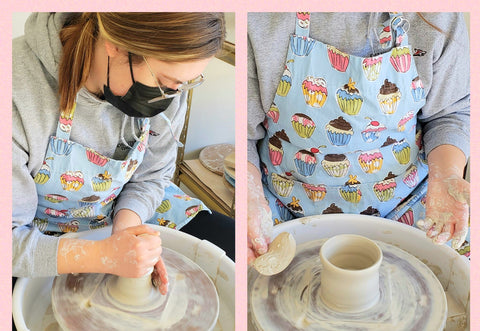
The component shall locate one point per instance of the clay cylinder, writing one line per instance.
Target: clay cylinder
(350, 274)
(132, 291)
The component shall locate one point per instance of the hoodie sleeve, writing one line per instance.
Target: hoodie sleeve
(268, 38)
(256, 115)
(33, 254)
(445, 72)
(145, 190)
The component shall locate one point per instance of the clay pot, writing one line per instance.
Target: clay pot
(350, 273)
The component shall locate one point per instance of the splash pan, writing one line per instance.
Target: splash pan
(411, 297)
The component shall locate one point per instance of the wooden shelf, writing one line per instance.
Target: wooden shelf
(209, 187)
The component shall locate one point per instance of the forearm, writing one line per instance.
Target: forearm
(259, 218)
(446, 161)
(125, 218)
(78, 256)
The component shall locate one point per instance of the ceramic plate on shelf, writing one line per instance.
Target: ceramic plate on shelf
(212, 157)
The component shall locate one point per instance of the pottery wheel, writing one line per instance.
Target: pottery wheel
(82, 301)
(411, 297)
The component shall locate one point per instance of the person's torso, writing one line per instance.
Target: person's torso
(342, 130)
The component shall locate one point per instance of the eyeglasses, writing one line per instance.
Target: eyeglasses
(170, 93)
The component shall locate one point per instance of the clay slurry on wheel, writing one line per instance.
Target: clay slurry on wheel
(83, 301)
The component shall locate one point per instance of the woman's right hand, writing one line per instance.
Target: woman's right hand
(130, 252)
(259, 216)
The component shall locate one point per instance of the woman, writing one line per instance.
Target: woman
(339, 121)
(98, 100)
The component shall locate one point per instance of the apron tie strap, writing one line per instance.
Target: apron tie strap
(302, 26)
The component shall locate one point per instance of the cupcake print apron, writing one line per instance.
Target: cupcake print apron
(342, 132)
(77, 186)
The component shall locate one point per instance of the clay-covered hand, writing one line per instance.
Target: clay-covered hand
(259, 232)
(447, 210)
(160, 277)
(130, 252)
(259, 216)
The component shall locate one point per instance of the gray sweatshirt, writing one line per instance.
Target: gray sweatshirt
(444, 69)
(97, 124)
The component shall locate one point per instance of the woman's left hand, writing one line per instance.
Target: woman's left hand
(447, 210)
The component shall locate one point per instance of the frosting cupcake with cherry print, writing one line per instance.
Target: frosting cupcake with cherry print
(349, 99)
(389, 97)
(315, 192)
(303, 125)
(338, 59)
(339, 131)
(372, 131)
(371, 67)
(336, 165)
(350, 192)
(315, 91)
(385, 189)
(371, 161)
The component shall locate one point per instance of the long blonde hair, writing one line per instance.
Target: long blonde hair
(170, 37)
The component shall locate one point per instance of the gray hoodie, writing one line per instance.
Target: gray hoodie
(97, 124)
(444, 68)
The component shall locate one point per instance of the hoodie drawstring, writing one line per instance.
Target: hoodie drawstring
(122, 131)
(132, 123)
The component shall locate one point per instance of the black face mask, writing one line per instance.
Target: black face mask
(135, 102)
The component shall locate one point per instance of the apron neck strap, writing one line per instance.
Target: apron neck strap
(64, 125)
(302, 24)
(394, 31)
